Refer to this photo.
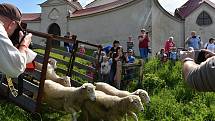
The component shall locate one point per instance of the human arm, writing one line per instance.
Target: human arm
(200, 77)
(13, 60)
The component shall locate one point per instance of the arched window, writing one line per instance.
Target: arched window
(204, 19)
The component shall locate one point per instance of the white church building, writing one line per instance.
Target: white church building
(103, 21)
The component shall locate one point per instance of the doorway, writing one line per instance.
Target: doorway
(55, 29)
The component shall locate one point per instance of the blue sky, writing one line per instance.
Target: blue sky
(31, 6)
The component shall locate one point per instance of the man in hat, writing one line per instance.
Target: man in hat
(13, 60)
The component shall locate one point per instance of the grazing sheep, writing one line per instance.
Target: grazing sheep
(68, 99)
(110, 90)
(111, 108)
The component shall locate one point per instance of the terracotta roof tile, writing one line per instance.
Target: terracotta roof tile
(100, 8)
(186, 9)
(31, 17)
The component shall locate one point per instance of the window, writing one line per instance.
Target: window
(204, 19)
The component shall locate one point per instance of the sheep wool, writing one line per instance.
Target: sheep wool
(67, 99)
(110, 90)
(111, 108)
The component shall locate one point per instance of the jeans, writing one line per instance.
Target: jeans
(144, 53)
(112, 75)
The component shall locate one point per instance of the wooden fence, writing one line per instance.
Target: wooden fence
(33, 83)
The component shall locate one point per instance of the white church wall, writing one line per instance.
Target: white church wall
(165, 25)
(205, 32)
(106, 27)
(36, 26)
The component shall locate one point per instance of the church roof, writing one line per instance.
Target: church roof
(100, 8)
(93, 3)
(186, 9)
(31, 17)
(81, 12)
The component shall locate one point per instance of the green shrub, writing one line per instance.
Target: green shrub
(152, 83)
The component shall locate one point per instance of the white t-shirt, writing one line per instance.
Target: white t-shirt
(210, 47)
(12, 62)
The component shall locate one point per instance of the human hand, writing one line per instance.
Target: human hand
(26, 41)
(208, 53)
(187, 54)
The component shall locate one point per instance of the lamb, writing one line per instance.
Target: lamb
(51, 74)
(111, 108)
(64, 80)
(110, 90)
(68, 99)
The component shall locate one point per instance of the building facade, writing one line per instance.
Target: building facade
(103, 21)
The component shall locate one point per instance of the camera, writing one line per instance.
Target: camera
(199, 55)
(15, 36)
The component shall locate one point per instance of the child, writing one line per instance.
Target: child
(105, 69)
(162, 55)
(173, 55)
(128, 71)
(131, 58)
(90, 72)
(82, 50)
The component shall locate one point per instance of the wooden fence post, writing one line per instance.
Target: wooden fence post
(43, 73)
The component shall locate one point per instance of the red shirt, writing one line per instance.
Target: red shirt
(168, 45)
(144, 42)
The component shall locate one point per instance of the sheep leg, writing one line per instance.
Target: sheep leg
(126, 115)
(133, 115)
(74, 116)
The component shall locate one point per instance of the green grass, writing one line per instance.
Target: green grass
(171, 99)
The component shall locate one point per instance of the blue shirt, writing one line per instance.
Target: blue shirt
(131, 59)
(107, 48)
(173, 55)
(194, 42)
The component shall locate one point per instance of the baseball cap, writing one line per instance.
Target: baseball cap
(10, 11)
(143, 29)
(130, 50)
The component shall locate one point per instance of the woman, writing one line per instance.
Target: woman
(210, 45)
(115, 72)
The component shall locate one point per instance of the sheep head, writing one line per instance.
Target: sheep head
(65, 81)
(53, 62)
(135, 103)
(89, 90)
(143, 95)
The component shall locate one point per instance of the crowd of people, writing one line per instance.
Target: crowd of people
(194, 42)
(111, 61)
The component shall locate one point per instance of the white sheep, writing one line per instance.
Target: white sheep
(51, 74)
(111, 108)
(68, 99)
(110, 90)
(64, 80)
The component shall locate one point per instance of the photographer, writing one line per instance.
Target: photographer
(199, 77)
(13, 60)
(194, 41)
